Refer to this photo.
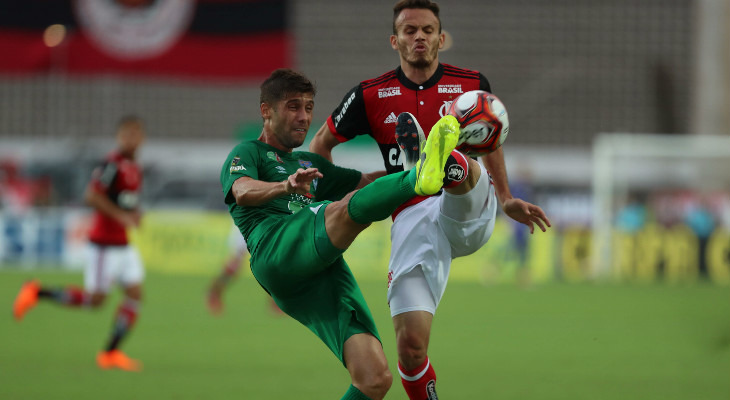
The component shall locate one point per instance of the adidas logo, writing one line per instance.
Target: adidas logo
(392, 119)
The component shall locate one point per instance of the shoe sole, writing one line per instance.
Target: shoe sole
(410, 138)
(440, 143)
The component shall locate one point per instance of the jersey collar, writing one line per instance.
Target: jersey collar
(433, 80)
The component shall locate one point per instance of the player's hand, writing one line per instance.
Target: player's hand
(526, 213)
(130, 219)
(300, 181)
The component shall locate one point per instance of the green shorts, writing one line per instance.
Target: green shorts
(306, 275)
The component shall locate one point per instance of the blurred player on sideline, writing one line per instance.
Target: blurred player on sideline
(113, 192)
(231, 266)
(430, 232)
(230, 269)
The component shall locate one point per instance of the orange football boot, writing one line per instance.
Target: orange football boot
(27, 298)
(117, 359)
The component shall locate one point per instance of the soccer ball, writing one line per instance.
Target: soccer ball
(483, 121)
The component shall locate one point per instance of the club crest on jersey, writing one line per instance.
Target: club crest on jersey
(455, 88)
(389, 92)
(234, 165)
(274, 156)
(305, 163)
(444, 108)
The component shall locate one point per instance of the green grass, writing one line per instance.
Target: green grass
(550, 342)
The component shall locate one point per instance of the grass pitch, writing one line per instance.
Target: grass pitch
(549, 342)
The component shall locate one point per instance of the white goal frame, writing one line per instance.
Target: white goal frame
(626, 160)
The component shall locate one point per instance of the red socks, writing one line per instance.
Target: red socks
(76, 297)
(456, 169)
(420, 383)
(71, 296)
(123, 322)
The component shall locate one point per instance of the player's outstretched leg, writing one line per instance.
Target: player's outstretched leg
(32, 292)
(380, 198)
(411, 139)
(442, 140)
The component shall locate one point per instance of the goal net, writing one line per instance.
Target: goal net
(661, 207)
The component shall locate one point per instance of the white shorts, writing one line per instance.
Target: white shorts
(236, 242)
(112, 264)
(432, 233)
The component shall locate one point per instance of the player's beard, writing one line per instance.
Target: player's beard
(423, 60)
(291, 141)
(419, 63)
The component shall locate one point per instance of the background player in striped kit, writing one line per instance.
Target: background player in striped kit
(113, 192)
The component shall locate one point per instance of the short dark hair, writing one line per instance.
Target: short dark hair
(129, 119)
(423, 4)
(283, 82)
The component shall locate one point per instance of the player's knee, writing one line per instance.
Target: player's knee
(97, 300)
(411, 348)
(133, 292)
(377, 383)
(383, 381)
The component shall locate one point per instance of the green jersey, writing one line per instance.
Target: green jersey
(263, 162)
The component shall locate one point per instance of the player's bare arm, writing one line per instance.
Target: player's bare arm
(101, 202)
(251, 192)
(494, 162)
(517, 209)
(323, 142)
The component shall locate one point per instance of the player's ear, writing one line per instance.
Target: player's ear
(265, 111)
(394, 42)
(442, 40)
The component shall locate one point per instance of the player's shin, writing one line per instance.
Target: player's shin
(71, 296)
(123, 322)
(419, 383)
(379, 199)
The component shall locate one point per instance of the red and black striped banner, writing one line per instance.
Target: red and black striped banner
(189, 39)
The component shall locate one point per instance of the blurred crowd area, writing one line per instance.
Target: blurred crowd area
(567, 71)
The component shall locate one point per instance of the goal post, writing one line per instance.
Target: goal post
(673, 166)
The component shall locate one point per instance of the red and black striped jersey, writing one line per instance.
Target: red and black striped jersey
(120, 179)
(372, 107)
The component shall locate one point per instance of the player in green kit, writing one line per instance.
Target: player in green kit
(298, 213)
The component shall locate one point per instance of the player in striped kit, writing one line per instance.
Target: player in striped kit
(113, 192)
(427, 232)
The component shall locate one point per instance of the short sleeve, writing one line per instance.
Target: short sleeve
(103, 176)
(242, 161)
(350, 119)
(484, 83)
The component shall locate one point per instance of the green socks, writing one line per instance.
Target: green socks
(379, 199)
(354, 394)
